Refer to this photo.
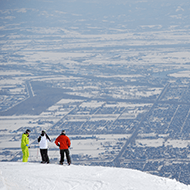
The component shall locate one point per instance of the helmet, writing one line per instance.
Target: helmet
(63, 132)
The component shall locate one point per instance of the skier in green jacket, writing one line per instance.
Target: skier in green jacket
(25, 145)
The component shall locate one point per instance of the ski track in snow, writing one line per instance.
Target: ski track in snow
(82, 181)
(36, 176)
(33, 178)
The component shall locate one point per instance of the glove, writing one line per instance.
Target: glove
(58, 145)
(28, 146)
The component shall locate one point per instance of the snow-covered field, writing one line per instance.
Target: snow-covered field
(102, 68)
(19, 176)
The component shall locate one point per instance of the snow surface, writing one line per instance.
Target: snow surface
(19, 176)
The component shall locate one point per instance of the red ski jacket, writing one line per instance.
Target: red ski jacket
(63, 141)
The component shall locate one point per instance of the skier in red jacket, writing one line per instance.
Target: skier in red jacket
(64, 143)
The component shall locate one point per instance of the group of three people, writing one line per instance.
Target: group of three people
(62, 141)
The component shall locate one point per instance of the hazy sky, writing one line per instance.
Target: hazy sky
(128, 14)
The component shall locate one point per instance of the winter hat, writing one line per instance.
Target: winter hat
(43, 132)
(63, 132)
(27, 131)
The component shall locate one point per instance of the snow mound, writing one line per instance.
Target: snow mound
(19, 176)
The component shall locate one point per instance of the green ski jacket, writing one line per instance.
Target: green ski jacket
(24, 141)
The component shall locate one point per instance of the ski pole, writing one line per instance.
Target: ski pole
(38, 151)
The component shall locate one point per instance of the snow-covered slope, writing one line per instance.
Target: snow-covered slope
(24, 176)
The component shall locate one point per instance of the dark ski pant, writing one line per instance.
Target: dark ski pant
(62, 153)
(44, 155)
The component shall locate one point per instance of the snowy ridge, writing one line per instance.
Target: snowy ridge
(19, 176)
